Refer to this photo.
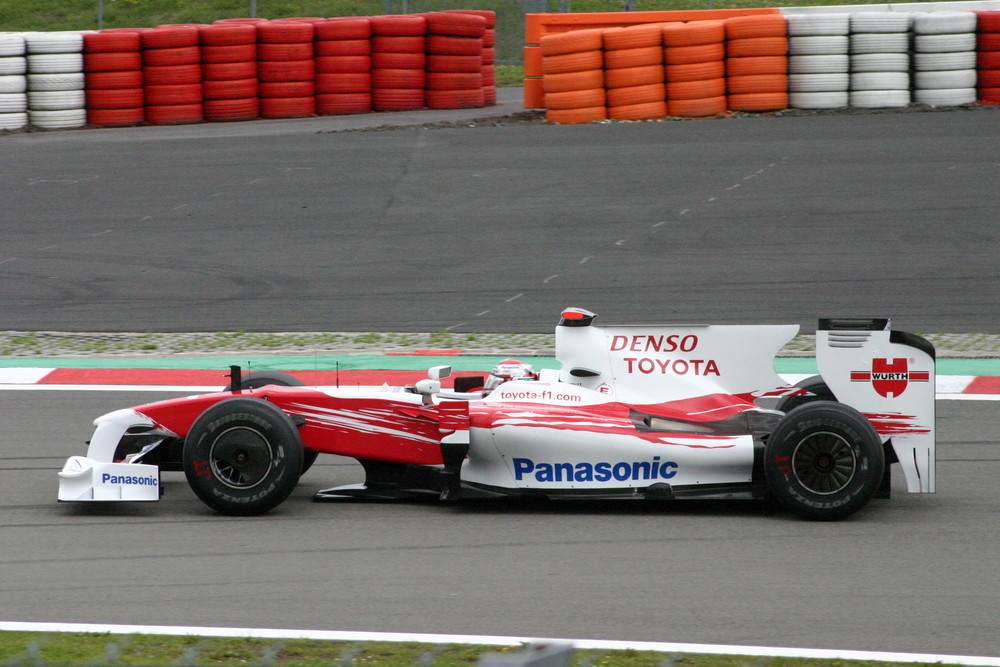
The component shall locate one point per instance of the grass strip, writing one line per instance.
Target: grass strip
(82, 649)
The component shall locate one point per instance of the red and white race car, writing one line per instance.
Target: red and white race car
(633, 411)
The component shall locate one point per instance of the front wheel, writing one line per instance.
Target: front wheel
(824, 461)
(243, 456)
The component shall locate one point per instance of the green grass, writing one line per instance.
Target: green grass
(77, 649)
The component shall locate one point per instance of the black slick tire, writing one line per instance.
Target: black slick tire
(824, 461)
(243, 456)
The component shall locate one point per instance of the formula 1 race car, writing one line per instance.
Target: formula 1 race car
(633, 411)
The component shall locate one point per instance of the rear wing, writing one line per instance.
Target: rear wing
(889, 377)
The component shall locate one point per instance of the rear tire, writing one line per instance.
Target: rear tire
(824, 461)
(243, 456)
(816, 385)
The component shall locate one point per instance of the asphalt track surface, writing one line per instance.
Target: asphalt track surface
(915, 573)
(279, 226)
(294, 226)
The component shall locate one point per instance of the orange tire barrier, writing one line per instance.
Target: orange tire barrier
(758, 101)
(757, 46)
(632, 76)
(639, 57)
(757, 83)
(113, 79)
(455, 49)
(714, 69)
(171, 56)
(286, 67)
(638, 51)
(539, 26)
(560, 83)
(230, 87)
(633, 95)
(988, 58)
(700, 53)
(756, 65)
(643, 111)
(344, 62)
(395, 88)
(633, 37)
(572, 42)
(693, 90)
(575, 64)
(697, 108)
(748, 27)
(694, 54)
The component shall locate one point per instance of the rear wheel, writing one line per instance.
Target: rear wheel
(818, 391)
(243, 456)
(824, 461)
(258, 379)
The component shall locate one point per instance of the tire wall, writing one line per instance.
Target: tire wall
(763, 61)
(245, 69)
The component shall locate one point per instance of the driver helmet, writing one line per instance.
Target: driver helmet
(506, 370)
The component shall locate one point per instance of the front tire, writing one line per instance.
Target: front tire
(824, 461)
(243, 456)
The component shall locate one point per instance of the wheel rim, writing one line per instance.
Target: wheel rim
(824, 463)
(241, 458)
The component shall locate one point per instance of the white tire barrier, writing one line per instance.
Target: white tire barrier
(13, 84)
(821, 64)
(952, 78)
(880, 22)
(880, 81)
(13, 121)
(879, 99)
(880, 62)
(940, 23)
(945, 97)
(818, 83)
(61, 81)
(818, 24)
(819, 100)
(58, 120)
(13, 102)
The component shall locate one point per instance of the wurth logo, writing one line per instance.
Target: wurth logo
(890, 377)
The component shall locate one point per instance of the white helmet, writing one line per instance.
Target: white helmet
(507, 370)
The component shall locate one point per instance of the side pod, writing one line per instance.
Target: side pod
(889, 377)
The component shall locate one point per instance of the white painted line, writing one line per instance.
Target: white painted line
(514, 298)
(550, 278)
(191, 389)
(490, 640)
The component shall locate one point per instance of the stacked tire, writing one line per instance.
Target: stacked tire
(455, 60)
(56, 99)
(633, 72)
(343, 66)
(171, 68)
(112, 64)
(489, 53)
(399, 60)
(694, 56)
(880, 59)
(286, 67)
(944, 58)
(818, 63)
(757, 62)
(230, 87)
(573, 77)
(988, 57)
(13, 82)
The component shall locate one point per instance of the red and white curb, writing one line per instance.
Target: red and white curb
(489, 640)
(955, 387)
